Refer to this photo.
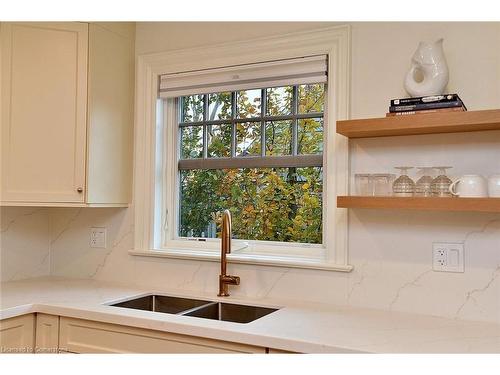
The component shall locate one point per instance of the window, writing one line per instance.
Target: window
(257, 153)
(176, 143)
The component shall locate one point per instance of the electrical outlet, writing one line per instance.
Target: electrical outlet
(98, 237)
(448, 257)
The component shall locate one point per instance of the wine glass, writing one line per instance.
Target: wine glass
(441, 184)
(403, 186)
(423, 185)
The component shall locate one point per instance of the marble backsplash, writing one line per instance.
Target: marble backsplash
(390, 250)
(391, 256)
(24, 243)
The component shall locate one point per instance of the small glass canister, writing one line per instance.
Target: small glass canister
(382, 183)
(364, 184)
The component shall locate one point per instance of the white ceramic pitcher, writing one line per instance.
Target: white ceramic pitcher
(429, 64)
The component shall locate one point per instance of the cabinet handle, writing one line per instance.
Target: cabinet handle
(80, 190)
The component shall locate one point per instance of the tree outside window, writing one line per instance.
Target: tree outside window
(280, 128)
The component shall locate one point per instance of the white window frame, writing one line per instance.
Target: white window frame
(156, 152)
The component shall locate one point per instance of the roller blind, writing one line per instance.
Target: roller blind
(303, 70)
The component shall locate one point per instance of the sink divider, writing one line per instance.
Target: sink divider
(196, 308)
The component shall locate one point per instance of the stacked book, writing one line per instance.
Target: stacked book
(426, 104)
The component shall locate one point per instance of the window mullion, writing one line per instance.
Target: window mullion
(263, 110)
(233, 123)
(298, 161)
(205, 130)
(294, 121)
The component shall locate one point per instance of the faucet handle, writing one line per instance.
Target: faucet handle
(236, 280)
(231, 280)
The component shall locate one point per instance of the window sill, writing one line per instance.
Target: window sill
(260, 260)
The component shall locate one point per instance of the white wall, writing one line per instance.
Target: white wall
(391, 250)
(168, 36)
(381, 55)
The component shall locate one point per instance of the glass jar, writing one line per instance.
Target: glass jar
(382, 183)
(364, 184)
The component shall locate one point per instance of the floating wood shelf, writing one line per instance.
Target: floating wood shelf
(420, 203)
(431, 123)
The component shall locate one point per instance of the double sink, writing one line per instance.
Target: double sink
(222, 311)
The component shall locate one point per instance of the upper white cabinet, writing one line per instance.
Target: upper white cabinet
(66, 113)
(44, 105)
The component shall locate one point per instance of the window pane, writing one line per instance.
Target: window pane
(279, 101)
(272, 204)
(219, 140)
(198, 203)
(219, 106)
(310, 136)
(248, 103)
(311, 98)
(191, 142)
(192, 108)
(278, 138)
(248, 139)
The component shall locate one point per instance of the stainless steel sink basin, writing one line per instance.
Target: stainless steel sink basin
(229, 312)
(164, 304)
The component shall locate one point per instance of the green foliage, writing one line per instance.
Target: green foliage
(191, 142)
(273, 204)
(279, 138)
(248, 103)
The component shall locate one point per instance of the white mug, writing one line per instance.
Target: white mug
(470, 185)
(494, 186)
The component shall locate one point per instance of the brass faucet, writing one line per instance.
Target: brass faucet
(226, 280)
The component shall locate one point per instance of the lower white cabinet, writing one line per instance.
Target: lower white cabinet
(47, 333)
(17, 335)
(43, 333)
(85, 336)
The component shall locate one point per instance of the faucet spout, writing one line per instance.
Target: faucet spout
(224, 278)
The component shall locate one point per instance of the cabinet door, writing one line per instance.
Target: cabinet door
(17, 335)
(110, 116)
(47, 333)
(84, 336)
(43, 111)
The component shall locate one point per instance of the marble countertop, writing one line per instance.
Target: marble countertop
(308, 328)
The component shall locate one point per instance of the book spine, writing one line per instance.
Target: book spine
(439, 110)
(419, 107)
(425, 99)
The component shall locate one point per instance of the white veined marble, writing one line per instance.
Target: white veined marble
(297, 326)
(392, 273)
(24, 243)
